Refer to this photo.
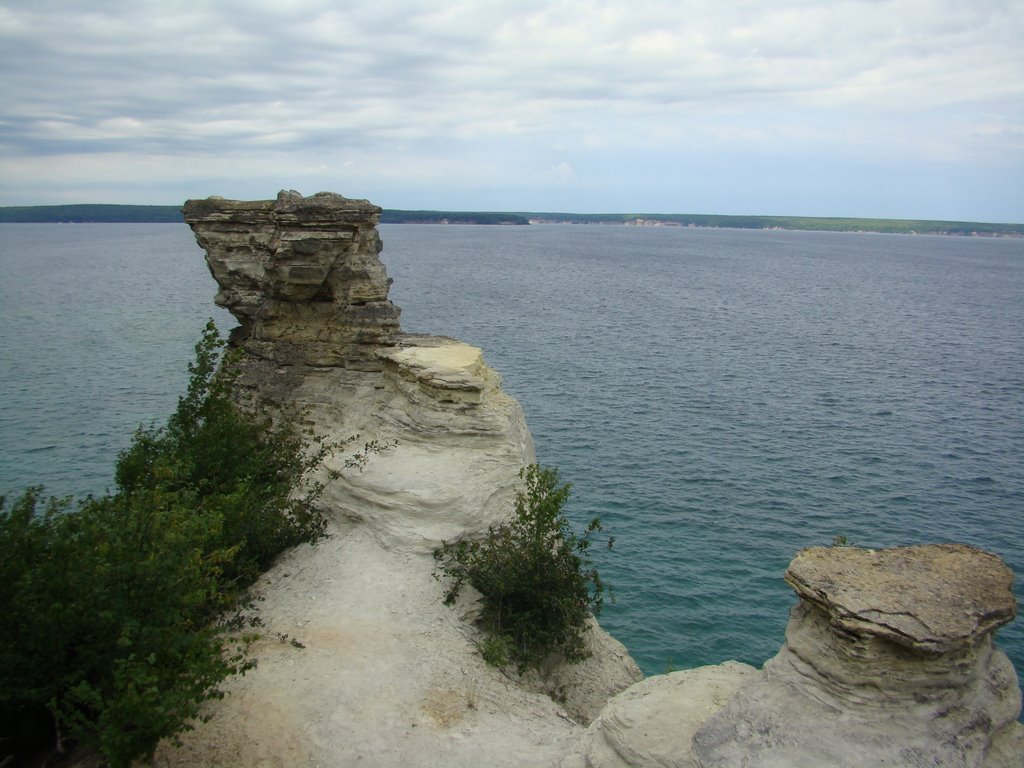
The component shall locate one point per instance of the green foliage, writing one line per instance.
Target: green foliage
(497, 650)
(538, 583)
(451, 217)
(236, 468)
(110, 634)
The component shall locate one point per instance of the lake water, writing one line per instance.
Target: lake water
(720, 398)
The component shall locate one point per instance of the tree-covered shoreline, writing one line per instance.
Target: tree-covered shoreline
(160, 214)
(124, 612)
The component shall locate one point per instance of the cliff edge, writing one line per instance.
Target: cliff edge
(888, 657)
(359, 660)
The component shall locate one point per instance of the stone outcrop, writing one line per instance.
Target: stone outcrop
(304, 279)
(301, 275)
(888, 658)
(888, 661)
(652, 723)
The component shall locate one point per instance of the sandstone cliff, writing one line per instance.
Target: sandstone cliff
(304, 279)
(360, 662)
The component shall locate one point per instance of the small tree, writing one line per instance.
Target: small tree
(538, 583)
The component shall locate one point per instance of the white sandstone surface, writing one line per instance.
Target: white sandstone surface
(388, 676)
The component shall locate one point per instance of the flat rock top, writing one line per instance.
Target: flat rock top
(933, 598)
(439, 361)
(289, 204)
(455, 355)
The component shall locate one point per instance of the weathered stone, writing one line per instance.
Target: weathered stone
(586, 686)
(888, 660)
(302, 275)
(935, 598)
(651, 724)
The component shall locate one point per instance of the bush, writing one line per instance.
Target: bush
(537, 580)
(107, 629)
(109, 635)
(237, 468)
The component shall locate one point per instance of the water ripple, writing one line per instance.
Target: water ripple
(720, 398)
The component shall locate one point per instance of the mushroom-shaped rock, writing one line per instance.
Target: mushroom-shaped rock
(935, 598)
(888, 661)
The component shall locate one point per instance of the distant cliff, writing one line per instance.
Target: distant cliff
(451, 217)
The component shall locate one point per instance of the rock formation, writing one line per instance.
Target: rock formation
(384, 673)
(304, 279)
(888, 658)
(888, 661)
(300, 274)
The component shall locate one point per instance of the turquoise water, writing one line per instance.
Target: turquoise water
(721, 398)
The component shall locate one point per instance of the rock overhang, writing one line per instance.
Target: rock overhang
(932, 598)
(302, 275)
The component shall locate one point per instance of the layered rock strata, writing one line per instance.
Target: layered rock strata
(888, 661)
(304, 279)
(300, 274)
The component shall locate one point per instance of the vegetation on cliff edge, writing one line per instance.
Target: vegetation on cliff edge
(112, 633)
(538, 583)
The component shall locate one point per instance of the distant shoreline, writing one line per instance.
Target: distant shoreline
(158, 214)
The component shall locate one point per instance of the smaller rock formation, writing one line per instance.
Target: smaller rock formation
(888, 661)
(651, 724)
(301, 275)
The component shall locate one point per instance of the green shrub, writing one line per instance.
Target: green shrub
(110, 635)
(538, 583)
(234, 466)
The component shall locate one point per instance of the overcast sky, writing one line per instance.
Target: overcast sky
(889, 108)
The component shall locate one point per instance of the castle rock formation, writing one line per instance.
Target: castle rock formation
(304, 279)
(888, 657)
(302, 275)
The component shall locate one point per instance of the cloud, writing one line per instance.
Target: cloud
(411, 89)
(562, 173)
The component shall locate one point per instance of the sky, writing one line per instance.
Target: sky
(867, 108)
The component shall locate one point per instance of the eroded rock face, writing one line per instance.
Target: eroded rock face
(302, 275)
(651, 724)
(304, 279)
(888, 660)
